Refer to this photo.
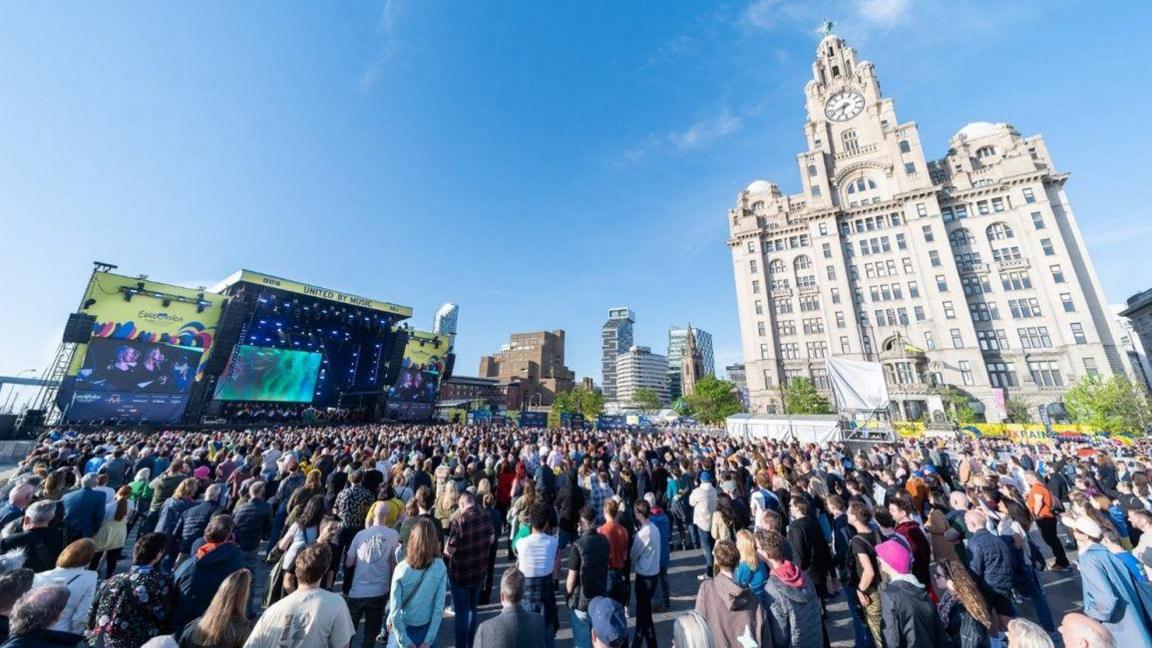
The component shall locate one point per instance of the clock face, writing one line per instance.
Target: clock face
(844, 105)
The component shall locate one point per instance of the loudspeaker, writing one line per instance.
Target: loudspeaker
(449, 363)
(395, 357)
(32, 420)
(79, 327)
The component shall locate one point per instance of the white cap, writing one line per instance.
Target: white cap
(1085, 525)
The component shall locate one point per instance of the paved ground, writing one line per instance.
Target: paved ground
(1063, 589)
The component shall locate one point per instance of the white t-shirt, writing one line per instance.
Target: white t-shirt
(373, 549)
(536, 555)
(304, 619)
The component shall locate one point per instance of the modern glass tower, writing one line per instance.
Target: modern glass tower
(615, 338)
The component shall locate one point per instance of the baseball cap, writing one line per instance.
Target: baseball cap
(1083, 524)
(608, 620)
(705, 476)
(895, 556)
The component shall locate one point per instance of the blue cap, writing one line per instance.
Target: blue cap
(929, 469)
(608, 620)
(705, 476)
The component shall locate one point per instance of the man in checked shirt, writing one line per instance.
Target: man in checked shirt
(470, 536)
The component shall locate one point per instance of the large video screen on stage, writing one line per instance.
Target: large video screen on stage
(413, 397)
(266, 374)
(133, 380)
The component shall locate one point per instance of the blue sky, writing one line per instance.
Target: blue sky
(534, 162)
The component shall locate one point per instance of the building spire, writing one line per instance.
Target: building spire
(825, 28)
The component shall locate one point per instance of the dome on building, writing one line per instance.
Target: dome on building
(828, 40)
(979, 129)
(760, 186)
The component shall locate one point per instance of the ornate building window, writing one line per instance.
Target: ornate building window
(961, 238)
(999, 232)
(849, 140)
(985, 152)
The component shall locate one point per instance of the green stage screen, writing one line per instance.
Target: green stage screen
(264, 374)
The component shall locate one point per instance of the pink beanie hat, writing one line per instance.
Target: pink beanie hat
(895, 556)
(203, 472)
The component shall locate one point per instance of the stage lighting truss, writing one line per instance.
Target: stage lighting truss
(166, 299)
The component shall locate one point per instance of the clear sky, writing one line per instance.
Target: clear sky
(534, 162)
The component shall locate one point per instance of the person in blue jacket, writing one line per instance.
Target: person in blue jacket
(84, 509)
(662, 522)
(1111, 595)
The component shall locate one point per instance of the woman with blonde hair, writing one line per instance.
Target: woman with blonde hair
(751, 571)
(416, 604)
(113, 533)
(72, 572)
(691, 631)
(446, 497)
(225, 623)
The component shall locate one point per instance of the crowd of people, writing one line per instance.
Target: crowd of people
(308, 536)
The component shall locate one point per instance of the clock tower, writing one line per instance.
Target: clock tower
(852, 134)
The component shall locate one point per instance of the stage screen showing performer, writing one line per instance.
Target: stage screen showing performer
(270, 375)
(132, 366)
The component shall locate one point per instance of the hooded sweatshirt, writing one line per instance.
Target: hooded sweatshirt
(733, 613)
(793, 608)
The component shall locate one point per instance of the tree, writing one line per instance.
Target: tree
(588, 402)
(1018, 411)
(1114, 405)
(646, 400)
(801, 397)
(712, 400)
(958, 406)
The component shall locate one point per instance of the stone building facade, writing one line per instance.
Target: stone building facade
(536, 362)
(967, 272)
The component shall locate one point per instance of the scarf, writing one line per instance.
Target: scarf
(789, 574)
(946, 604)
(208, 547)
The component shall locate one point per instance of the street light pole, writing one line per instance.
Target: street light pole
(12, 394)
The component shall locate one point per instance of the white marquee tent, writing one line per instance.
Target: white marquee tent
(805, 429)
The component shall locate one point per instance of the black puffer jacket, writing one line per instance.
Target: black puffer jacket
(909, 618)
(191, 526)
(253, 523)
(793, 610)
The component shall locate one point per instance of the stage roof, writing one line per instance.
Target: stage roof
(260, 279)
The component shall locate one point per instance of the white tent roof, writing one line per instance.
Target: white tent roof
(805, 429)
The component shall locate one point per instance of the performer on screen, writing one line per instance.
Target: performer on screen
(181, 374)
(122, 371)
(153, 378)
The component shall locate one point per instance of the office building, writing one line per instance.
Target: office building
(536, 361)
(639, 368)
(446, 320)
(615, 338)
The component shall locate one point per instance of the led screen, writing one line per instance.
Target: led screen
(265, 374)
(133, 380)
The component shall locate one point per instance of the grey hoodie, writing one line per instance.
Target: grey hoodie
(734, 614)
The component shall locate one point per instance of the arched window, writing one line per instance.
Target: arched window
(777, 267)
(802, 262)
(849, 139)
(985, 152)
(758, 205)
(905, 147)
(999, 231)
(961, 238)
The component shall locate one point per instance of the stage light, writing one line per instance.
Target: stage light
(166, 302)
(88, 303)
(139, 286)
